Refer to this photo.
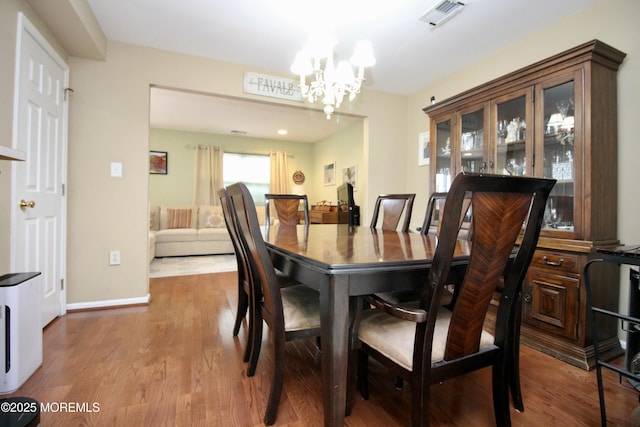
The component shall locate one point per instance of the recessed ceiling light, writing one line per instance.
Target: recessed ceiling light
(282, 132)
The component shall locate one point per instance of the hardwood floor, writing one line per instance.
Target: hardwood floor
(175, 363)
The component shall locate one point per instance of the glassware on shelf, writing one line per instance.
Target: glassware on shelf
(551, 216)
(502, 131)
(446, 150)
(563, 106)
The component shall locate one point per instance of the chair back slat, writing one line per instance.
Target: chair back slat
(241, 260)
(287, 207)
(498, 218)
(433, 217)
(392, 206)
(265, 284)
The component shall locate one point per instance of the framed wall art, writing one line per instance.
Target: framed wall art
(423, 149)
(158, 162)
(329, 174)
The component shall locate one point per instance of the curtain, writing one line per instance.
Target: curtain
(207, 175)
(279, 182)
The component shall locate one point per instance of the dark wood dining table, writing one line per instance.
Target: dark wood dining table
(342, 261)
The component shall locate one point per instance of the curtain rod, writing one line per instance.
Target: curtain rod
(258, 153)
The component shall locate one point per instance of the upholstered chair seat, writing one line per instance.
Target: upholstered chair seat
(394, 337)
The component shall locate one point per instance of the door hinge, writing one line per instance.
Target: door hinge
(66, 92)
(62, 189)
(62, 284)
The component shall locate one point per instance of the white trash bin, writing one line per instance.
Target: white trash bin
(20, 328)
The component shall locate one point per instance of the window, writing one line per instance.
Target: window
(252, 169)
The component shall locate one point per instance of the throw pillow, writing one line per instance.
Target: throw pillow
(211, 217)
(178, 218)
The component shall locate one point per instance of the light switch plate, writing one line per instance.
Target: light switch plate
(116, 169)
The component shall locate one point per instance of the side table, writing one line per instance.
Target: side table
(629, 255)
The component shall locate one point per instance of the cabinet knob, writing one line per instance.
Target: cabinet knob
(527, 297)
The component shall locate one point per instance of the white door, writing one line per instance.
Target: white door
(39, 211)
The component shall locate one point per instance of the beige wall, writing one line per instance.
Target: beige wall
(109, 122)
(345, 149)
(109, 114)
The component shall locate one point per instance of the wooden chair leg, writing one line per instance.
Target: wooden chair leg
(243, 305)
(363, 373)
(277, 381)
(255, 340)
(501, 395)
(516, 391)
(420, 403)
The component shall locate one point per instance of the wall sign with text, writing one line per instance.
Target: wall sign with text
(276, 87)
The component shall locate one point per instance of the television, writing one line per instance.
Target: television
(348, 211)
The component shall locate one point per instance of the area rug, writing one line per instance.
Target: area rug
(183, 266)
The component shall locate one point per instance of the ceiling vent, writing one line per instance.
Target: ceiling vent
(238, 132)
(442, 12)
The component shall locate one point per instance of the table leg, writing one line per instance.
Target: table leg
(334, 318)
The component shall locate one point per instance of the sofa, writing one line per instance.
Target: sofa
(190, 230)
(187, 230)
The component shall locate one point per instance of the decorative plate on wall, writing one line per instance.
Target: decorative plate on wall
(298, 177)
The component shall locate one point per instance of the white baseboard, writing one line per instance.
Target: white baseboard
(112, 303)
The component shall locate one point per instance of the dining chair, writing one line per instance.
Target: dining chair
(291, 312)
(286, 207)
(431, 226)
(431, 343)
(244, 290)
(433, 215)
(392, 206)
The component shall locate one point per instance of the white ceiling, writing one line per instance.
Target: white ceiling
(266, 34)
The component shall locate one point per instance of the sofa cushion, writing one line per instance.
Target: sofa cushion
(177, 235)
(177, 217)
(210, 217)
(213, 234)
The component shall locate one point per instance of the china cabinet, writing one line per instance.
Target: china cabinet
(554, 119)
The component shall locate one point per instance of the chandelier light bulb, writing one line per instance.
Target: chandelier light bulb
(363, 54)
(301, 64)
(330, 83)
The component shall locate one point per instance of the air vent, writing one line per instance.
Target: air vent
(442, 12)
(238, 132)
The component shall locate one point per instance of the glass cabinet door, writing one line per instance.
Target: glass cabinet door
(472, 143)
(442, 153)
(558, 113)
(511, 135)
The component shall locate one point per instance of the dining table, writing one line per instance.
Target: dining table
(342, 262)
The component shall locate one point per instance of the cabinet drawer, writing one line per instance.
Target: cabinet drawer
(556, 260)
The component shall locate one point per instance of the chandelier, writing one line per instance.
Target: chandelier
(331, 83)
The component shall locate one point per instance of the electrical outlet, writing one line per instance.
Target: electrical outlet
(114, 258)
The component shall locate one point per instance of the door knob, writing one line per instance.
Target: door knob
(29, 204)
